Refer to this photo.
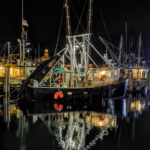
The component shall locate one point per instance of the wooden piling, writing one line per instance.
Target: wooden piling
(148, 81)
(130, 88)
(6, 97)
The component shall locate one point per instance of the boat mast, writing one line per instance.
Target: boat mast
(126, 38)
(22, 15)
(90, 12)
(120, 49)
(139, 49)
(67, 18)
(22, 36)
(89, 24)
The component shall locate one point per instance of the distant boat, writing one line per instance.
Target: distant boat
(15, 67)
(75, 74)
(136, 67)
(16, 64)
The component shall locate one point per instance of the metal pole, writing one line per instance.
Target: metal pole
(22, 14)
(139, 49)
(8, 52)
(38, 50)
(7, 96)
(67, 18)
(90, 16)
(120, 49)
(23, 48)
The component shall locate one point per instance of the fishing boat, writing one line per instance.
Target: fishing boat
(15, 67)
(73, 73)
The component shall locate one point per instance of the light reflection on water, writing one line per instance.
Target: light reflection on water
(75, 128)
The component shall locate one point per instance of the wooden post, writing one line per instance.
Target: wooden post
(148, 81)
(7, 96)
(130, 88)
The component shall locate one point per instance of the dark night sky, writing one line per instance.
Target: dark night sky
(44, 16)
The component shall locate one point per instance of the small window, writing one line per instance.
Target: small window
(115, 73)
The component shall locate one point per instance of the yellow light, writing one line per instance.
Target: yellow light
(101, 123)
(139, 107)
(103, 72)
(136, 105)
(14, 110)
(2, 71)
(113, 122)
(46, 50)
(106, 120)
(11, 72)
(109, 74)
(115, 72)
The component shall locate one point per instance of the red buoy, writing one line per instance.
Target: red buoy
(60, 93)
(60, 80)
(56, 95)
(58, 107)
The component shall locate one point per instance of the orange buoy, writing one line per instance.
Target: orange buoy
(103, 77)
(56, 95)
(60, 93)
(60, 80)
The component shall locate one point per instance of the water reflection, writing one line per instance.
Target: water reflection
(72, 128)
(75, 128)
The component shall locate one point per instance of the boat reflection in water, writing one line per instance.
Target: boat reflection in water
(72, 128)
(45, 128)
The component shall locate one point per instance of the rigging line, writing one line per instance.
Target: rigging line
(111, 52)
(142, 50)
(107, 46)
(14, 49)
(103, 21)
(113, 46)
(59, 32)
(80, 17)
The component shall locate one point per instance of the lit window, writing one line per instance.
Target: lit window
(115, 73)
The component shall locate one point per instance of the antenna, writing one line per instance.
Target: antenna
(22, 14)
(139, 48)
(90, 16)
(67, 18)
(126, 36)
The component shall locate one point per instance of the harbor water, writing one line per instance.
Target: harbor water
(110, 124)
